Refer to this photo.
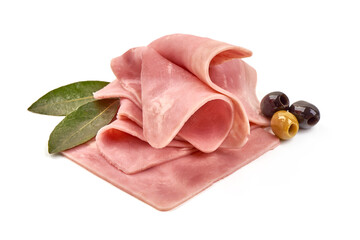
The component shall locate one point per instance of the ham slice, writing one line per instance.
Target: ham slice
(119, 140)
(176, 102)
(170, 184)
(189, 116)
(198, 55)
(129, 110)
(240, 80)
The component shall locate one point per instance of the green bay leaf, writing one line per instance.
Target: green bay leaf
(82, 124)
(63, 100)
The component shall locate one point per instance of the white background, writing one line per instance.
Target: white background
(307, 188)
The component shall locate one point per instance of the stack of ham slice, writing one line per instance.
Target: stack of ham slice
(189, 116)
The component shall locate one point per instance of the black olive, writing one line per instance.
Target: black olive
(307, 114)
(273, 102)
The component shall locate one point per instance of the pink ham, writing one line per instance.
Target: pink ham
(240, 80)
(176, 102)
(130, 111)
(169, 184)
(128, 72)
(187, 107)
(198, 55)
(118, 140)
(121, 89)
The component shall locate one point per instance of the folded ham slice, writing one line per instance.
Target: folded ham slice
(187, 107)
(169, 184)
(176, 102)
(123, 144)
(199, 55)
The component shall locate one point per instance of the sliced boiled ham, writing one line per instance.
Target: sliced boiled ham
(118, 140)
(239, 78)
(189, 116)
(176, 102)
(130, 111)
(169, 184)
(198, 55)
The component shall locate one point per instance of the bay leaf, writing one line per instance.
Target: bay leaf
(63, 100)
(82, 124)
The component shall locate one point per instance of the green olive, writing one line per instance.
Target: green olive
(284, 124)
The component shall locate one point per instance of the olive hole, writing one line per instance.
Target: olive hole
(292, 129)
(284, 100)
(312, 121)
